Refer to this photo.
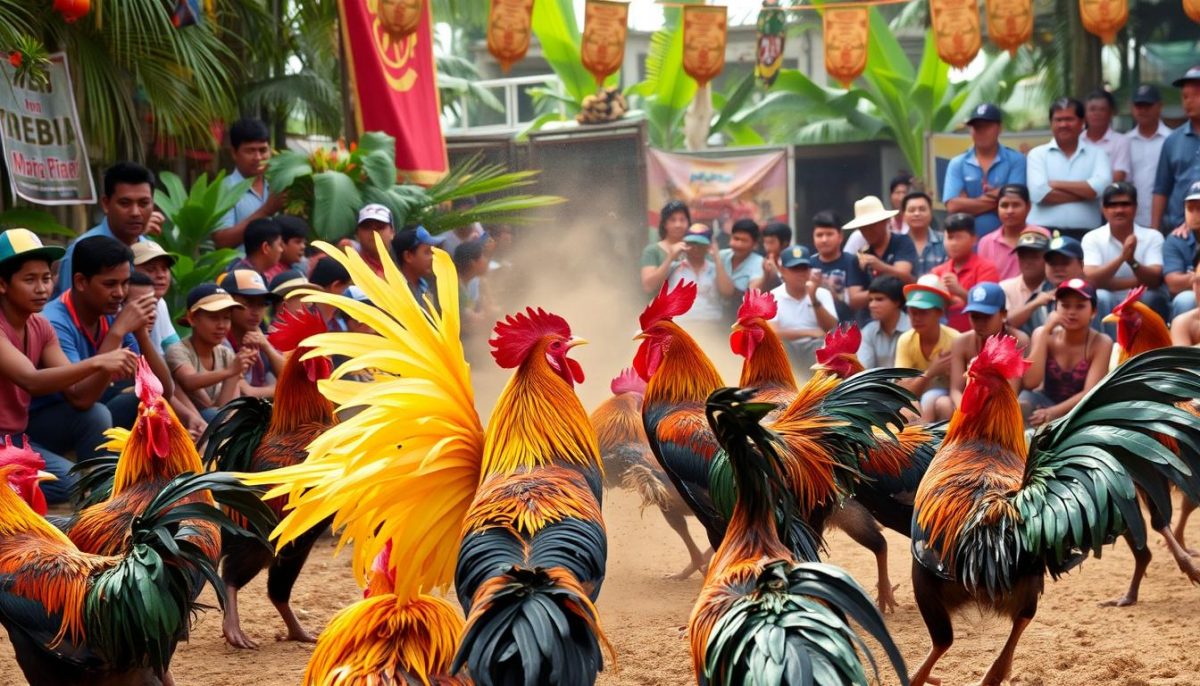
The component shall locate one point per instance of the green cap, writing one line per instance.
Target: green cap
(25, 244)
(925, 300)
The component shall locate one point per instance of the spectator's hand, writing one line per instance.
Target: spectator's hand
(1053, 320)
(1128, 248)
(1043, 298)
(243, 362)
(813, 283)
(952, 284)
(1181, 231)
(868, 262)
(118, 364)
(769, 267)
(136, 315)
(939, 365)
(255, 339)
(274, 204)
(674, 250)
(1042, 415)
(194, 424)
(155, 225)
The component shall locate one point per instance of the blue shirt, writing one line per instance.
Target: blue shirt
(750, 268)
(965, 174)
(1179, 254)
(931, 256)
(1178, 168)
(75, 343)
(64, 265)
(247, 205)
(1049, 163)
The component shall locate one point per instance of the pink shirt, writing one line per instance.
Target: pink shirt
(14, 400)
(993, 249)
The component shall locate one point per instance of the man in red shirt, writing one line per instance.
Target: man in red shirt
(963, 268)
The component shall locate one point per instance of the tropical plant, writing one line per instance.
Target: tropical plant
(331, 185)
(893, 99)
(38, 221)
(192, 216)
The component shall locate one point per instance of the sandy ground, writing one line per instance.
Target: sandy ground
(1071, 642)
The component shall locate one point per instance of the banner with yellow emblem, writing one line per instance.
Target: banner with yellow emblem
(703, 42)
(956, 30)
(394, 81)
(510, 27)
(602, 48)
(845, 42)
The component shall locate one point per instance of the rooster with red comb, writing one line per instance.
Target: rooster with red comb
(426, 495)
(995, 512)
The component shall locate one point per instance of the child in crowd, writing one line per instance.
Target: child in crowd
(986, 311)
(962, 268)
(836, 265)
(700, 266)
(286, 287)
(246, 331)
(999, 247)
(471, 264)
(330, 276)
(150, 259)
(263, 242)
(294, 232)
(888, 322)
(209, 371)
(927, 348)
(776, 237)
(1028, 294)
(1067, 356)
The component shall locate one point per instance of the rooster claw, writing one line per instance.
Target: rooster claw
(886, 600)
(301, 637)
(1124, 601)
(236, 638)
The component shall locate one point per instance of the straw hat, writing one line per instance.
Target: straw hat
(869, 210)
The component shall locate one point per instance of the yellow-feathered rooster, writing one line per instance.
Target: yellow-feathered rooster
(414, 470)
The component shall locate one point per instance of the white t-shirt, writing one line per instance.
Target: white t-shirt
(798, 313)
(163, 334)
(1116, 145)
(707, 307)
(1100, 248)
(1143, 166)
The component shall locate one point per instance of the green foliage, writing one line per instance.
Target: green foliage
(38, 221)
(557, 31)
(667, 91)
(192, 216)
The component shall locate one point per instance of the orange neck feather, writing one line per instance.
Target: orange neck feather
(16, 517)
(685, 373)
(769, 365)
(138, 463)
(1151, 334)
(298, 401)
(537, 421)
(998, 422)
(809, 470)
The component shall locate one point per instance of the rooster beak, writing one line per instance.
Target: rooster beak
(43, 475)
(640, 337)
(576, 341)
(1110, 318)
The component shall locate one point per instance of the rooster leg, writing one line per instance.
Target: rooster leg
(281, 577)
(1182, 558)
(1186, 507)
(858, 523)
(242, 561)
(231, 627)
(678, 522)
(1141, 560)
(930, 592)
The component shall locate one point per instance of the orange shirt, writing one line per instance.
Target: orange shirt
(975, 270)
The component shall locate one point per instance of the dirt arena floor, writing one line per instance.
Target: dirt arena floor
(1072, 642)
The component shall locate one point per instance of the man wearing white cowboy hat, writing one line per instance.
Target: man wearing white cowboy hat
(885, 253)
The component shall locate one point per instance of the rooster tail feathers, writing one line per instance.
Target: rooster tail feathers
(94, 480)
(235, 433)
(649, 484)
(530, 627)
(385, 639)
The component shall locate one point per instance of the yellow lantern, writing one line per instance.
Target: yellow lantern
(845, 37)
(703, 42)
(1010, 23)
(509, 30)
(1103, 18)
(602, 48)
(956, 30)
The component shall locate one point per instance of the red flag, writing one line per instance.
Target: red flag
(394, 81)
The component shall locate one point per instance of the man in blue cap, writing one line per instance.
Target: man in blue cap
(1180, 253)
(412, 248)
(806, 310)
(1179, 163)
(987, 308)
(974, 178)
(700, 266)
(1145, 147)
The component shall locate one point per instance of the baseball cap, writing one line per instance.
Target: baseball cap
(356, 293)
(147, 251)
(1193, 192)
(25, 244)
(1192, 74)
(926, 294)
(985, 112)
(795, 256)
(1033, 240)
(698, 233)
(374, 212)
(407, 239)
(1065, 245)
(1078, 286)
(1146, 95)
(985, 298)
(287, 281)
(245, 282)
(211, 298)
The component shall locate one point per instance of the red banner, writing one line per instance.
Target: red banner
(394, 81)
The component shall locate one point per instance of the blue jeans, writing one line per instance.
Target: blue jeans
(58, 429)
(1185, 301)
(209, 413)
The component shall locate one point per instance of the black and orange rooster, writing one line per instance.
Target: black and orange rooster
(517, 508)
(628, 461)
(256, 435)
(996, 511)
(81, 619)
(1140, 329)
(765, 617)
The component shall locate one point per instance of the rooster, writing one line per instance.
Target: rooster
(765, 617)
(81, 619)
(995, 512)
(628, 462)
(255, 435)
(1140, 329)
(519, 504)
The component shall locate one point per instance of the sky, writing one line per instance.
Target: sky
(646, 15)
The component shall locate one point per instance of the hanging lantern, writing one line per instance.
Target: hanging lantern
(956, 30)
(71, 10)
(509, 31)
(772, 31)
(1192, 8)
(398, 19)
(703, 42)
(845, 37)
(602, 48)
(1103, 18)
(1009, 23)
